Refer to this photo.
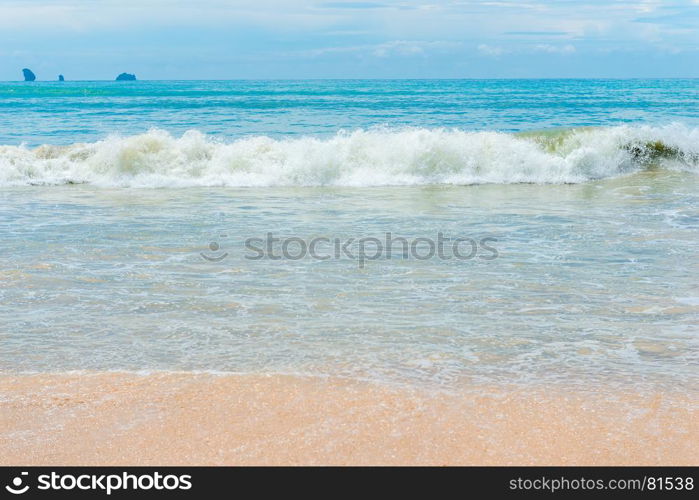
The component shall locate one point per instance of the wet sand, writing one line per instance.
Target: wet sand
(198, 419)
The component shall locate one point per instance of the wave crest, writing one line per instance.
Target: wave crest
(374, 157)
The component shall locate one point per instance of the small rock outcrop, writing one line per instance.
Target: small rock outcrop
(125, 77)
(61, 79)
(29, 75)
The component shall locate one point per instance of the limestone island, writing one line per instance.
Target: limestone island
(29, 75)
(125, 77)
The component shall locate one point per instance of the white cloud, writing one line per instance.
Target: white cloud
(489, 50)
(412, 48)
(515, 5)
(398, 47)
(393, 48)
(554, 49)
(495, 51)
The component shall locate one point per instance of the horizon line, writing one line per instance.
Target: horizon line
(367, 78)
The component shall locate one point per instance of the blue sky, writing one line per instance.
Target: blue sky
(222, 39)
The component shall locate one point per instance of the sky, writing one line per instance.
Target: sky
(229, 39)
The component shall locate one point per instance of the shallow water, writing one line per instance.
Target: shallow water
(594, 283)
(125, 207)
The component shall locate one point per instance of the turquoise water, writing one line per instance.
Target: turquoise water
(64, 113)
(125, 210)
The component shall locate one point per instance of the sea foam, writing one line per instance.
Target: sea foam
(372, 157)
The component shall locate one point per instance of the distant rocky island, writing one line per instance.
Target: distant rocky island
(29, 76)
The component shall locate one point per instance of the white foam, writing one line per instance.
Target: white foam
(374, 157)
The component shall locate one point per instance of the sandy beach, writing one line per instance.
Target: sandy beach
(186, 419)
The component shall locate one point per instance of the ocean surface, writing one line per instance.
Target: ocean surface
(540, 231)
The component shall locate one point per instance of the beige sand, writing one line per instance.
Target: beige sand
(179, 419)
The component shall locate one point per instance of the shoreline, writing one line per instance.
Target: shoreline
(204, 419)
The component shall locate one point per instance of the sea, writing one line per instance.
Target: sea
(431, 233)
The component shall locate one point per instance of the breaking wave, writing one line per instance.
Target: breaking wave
(373, 157)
